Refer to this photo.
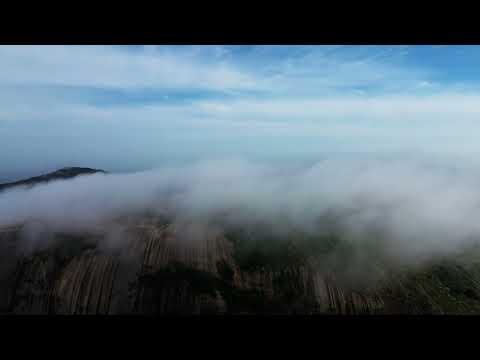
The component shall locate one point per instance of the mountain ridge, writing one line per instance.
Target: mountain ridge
(60, 174)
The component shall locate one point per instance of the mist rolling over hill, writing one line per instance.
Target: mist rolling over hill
(240, 237)
(239, 180)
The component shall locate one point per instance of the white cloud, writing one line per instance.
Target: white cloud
(271, 70)
(115, 67)
(301, 101)
(420, 210)
(442, 122)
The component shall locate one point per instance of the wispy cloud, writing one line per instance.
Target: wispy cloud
(71, 104)
(265, 69)
(114, 67)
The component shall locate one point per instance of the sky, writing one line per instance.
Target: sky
(134, 108)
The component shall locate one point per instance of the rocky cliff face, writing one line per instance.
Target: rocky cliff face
(159, 270)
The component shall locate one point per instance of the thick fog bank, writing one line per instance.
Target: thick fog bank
(411, 208)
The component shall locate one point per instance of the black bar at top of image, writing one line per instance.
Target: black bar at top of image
(192, 24)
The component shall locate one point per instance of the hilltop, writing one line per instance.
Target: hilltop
(61, 174)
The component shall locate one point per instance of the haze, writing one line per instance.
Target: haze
(136, 108)
(383, 137)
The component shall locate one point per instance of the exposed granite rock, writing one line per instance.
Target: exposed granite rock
(159, 270)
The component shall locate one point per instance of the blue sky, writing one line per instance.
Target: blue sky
(133, 108)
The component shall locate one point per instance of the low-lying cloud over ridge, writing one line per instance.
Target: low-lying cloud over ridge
(415, 208)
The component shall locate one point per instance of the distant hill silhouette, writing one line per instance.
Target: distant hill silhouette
(64, 173)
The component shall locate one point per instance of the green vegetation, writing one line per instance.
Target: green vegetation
(444, 288)
(268, 276)
(257, 250)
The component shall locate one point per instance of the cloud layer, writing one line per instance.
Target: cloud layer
(415, 210)
(135, 108)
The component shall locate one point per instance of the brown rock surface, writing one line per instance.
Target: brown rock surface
(161, 269)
